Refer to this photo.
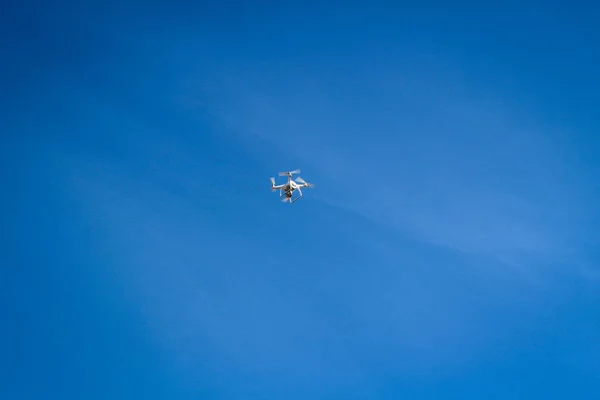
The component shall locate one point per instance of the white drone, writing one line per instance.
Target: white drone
(288, 188)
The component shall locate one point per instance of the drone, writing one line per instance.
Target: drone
(287, 189)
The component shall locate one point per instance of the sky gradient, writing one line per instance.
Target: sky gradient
(450, 248)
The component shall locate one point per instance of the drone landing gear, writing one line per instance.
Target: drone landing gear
(288, 197)
(295, 200)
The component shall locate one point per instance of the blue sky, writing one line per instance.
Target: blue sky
(448, 251)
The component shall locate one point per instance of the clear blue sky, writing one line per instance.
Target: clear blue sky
(450, 248)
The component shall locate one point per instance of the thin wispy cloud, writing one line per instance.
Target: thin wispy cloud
(469, 172)
(454, 155)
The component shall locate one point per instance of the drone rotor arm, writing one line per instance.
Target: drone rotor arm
(304, 183)
(289, 173)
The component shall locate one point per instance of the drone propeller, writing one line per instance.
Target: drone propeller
(296, 171)
(272, 183)
(303, 182)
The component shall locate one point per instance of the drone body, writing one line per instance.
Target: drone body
(286, 190)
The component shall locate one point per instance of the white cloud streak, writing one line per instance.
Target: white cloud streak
(451, 166)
